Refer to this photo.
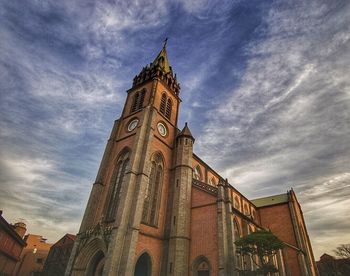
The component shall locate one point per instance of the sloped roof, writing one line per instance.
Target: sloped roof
(186, 132)
(270, 200)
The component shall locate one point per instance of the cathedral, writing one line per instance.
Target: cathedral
(156, 208)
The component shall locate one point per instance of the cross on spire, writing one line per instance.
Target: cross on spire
(165, 42)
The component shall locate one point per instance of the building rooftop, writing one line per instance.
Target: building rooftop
(270, 200)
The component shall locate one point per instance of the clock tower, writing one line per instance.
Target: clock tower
(137, 220)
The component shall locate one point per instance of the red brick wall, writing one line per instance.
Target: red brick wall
(153, 247)
(204, 240)
(278, 219)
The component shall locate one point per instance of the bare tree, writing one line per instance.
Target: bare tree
(343, 251)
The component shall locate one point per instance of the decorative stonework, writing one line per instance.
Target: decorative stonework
(205, 187)
(101, 231)
(161, 70)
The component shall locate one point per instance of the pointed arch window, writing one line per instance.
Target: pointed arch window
(237, 232)
(246, 212)
(116, 186)
(197, 173)
(236, 203)
(141, 99)
(162, 104)
(153, 192)
(212, 181)
(237, 235)
(169, 106)
(247, 262)
(137, 101)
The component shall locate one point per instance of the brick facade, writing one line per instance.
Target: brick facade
(198, 216)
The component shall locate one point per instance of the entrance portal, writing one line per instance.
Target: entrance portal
(143, 266)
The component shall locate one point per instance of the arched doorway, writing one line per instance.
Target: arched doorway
(143, 266)
(96, 264)
(201, 266)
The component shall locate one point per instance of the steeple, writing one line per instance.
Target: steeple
(161, 70)
(185, 132)
(162, 60)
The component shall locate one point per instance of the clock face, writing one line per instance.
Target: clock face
(133, 124)
(162, 129)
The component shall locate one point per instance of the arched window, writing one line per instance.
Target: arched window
(237, 235)
(143, 266)
(201, 267)
(116, 185)
(236, 203)
(141, 99)
(153, 192)
(246, 212)
(168, 109)
(137, 101)
(212, 181)
(237, 232)
(162, 104)
(197, 173)
(247, 262)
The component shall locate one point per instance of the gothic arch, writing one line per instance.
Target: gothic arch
(121, 167)
(212, 181)
(160, 154)
(236, 228)
(137, 100)
(236, 203)
(197, 173)
(169, 106)
(90, 257)
(245, 209)
(153, 193)
(121, 153)
(237, 235)
(143, 264)
(141, 99)
(162, 103)
(96, 264)
(247, 262)
(201, 266)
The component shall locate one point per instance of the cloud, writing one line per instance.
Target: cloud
(288, 120)
(265, 90)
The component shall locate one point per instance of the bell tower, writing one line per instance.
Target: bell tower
(124, 223)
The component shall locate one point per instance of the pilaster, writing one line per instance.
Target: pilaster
(121, 254)
(179, 236)
(222, 230)
(230, 232)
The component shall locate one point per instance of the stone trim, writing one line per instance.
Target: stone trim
(205, 187)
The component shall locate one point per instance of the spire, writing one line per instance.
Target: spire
(162, 59)
(185, 132)
(161, 70)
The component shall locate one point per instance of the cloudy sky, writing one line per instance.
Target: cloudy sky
(265, 89)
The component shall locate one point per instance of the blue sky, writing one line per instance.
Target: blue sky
(265, 89)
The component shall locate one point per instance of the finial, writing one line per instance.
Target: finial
(165, 42)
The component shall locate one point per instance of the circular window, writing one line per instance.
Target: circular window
(133, 124)
(162, 129)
